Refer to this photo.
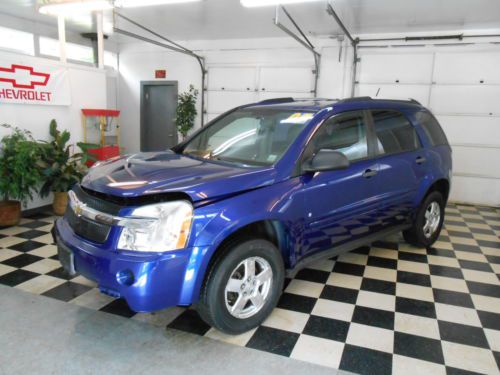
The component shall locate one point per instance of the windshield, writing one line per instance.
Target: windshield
(251, 136)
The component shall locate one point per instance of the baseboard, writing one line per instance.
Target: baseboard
(36, 210)
(473, 204)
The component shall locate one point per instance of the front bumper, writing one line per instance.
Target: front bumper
(146, 281)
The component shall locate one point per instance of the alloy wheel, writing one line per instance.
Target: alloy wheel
(248, 287)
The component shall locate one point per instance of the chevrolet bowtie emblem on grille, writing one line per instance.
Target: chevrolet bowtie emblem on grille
(78, 208)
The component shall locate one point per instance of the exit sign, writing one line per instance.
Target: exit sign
(160, 73)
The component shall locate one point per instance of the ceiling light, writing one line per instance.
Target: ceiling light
(264, 3)
(145, 3)
(68, 8)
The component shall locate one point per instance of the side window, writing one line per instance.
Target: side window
(432, 129)
(345, 133)
(394, 132)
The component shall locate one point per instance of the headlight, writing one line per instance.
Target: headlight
(157, 227)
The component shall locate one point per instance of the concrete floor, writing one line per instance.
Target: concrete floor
(42, 335)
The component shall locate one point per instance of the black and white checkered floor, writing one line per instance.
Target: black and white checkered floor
(388, 308)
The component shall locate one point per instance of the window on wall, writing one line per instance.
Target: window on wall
(18, 41)
(76, 52)
(394, 132)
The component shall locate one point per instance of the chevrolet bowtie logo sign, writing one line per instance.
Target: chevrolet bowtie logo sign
(34, 83)
(23, 77)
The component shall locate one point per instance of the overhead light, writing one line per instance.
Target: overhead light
(265, 3)
(71, 8)
(145, 3)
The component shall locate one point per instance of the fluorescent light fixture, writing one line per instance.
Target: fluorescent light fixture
(265, 3)
(145, 3)
(71, 8)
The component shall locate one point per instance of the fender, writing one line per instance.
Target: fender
(216, 222)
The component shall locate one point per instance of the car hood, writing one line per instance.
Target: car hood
(164, 172)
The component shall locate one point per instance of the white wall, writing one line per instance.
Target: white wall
(138, 62)
(88, 90)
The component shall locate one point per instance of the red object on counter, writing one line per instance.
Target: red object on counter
(103, 153)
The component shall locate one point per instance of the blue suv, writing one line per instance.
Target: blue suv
(260, 192)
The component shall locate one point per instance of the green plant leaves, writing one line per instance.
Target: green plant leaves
(19, 174)
(25, 163)
(186, 111)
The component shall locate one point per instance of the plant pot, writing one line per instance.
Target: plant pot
(60, 202)
(10, 213)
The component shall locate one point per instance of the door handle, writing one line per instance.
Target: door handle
(369, 173)
(420, 160)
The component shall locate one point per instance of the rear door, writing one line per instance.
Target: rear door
(402, 164)
(340, 205)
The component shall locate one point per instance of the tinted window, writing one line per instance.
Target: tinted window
(432, 129)
(344, 133)
(394, 132)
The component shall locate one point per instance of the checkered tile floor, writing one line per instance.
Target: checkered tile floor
(388, 308)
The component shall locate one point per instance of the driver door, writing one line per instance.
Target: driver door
(341, 205)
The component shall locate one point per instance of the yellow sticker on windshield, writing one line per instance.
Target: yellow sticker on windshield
(298, 118)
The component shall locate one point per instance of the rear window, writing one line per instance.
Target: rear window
(432, 129)
(394, 132)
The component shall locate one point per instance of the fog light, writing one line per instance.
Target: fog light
(125, 277)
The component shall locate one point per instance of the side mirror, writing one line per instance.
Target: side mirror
(326, 160)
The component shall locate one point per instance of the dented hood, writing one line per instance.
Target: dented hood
(164, 172)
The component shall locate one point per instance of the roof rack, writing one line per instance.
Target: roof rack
(355, 99)
(290, 99)
(277, 100)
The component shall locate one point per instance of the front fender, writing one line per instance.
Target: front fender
(214, 223)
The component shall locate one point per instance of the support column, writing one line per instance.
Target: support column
(61, 28)
(100, 40)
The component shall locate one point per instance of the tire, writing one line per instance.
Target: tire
(416, 235)
(228, 311)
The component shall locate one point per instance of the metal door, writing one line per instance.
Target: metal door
(158, 106)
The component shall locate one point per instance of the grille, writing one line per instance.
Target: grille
(89, 229)
(96, 203)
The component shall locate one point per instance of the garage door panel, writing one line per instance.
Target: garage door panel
(220, 101)
(388, 68)
(474, 160)
(475, 190)
(231, 78)
(273, 95)
(405, 92)
(467, 68)
(465, 99)
(283, 79)
(471, 129)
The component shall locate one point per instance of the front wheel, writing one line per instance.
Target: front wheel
(428, 221)
(243, 286)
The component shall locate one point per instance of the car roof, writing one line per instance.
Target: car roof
(339, 105)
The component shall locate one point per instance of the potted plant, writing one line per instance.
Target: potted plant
(19, 176)
(186, 111)
(61, 168)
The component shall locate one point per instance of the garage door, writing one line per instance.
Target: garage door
(462, 88)
(230, 86)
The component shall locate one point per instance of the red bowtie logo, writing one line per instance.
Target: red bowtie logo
(23, 77)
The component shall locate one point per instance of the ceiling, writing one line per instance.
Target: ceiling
(223, 19)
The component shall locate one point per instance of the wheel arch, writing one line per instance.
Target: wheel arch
(272, 230)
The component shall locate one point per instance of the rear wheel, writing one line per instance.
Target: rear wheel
(243, 286)
(428, 221)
